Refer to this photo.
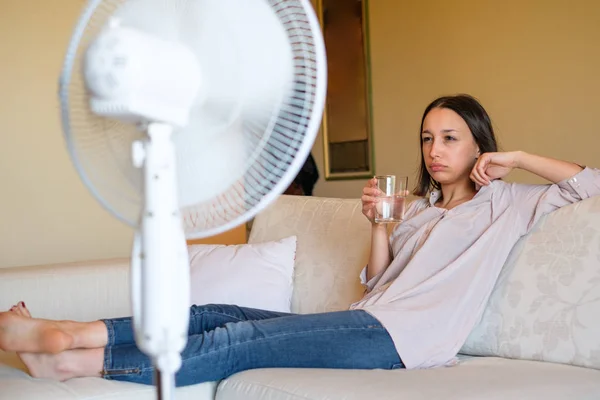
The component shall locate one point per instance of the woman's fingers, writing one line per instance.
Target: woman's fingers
(482, 173)
(475, 176)
(476, 180)
(478, 174)
(369, 199)
(369, 205)
(371, 191)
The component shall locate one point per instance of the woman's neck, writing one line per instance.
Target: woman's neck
(455, 194)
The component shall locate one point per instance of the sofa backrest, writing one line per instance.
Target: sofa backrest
(333, 246)
(546, 303)
(81, 291)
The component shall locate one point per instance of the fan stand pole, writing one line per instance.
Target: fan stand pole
(165, 385)
(160, 264)
(165, 382)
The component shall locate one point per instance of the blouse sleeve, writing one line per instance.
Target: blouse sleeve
(369, 284)
(411, 210)
(535, 201)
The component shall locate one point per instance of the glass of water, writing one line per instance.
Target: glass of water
(392, 198)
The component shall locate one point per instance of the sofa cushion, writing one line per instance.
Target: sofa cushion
(333, 247)
(257, 275)
(546, 303)
(16, 384)
(475, 378)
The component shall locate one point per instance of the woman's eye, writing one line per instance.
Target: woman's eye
(425, 139)
(450, 138)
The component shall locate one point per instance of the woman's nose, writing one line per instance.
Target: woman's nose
(434, 149)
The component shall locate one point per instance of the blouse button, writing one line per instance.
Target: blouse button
(574, 182)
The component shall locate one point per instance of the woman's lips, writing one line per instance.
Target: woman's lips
(437, 167)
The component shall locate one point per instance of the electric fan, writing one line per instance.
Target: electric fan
(185, 118)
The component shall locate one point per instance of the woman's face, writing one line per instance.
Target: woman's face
(449, 149)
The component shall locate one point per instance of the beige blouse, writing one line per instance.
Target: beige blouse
(446, 262)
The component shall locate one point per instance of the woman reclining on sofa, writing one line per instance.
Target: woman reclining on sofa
(426, 285)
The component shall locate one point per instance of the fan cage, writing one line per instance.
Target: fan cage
(100, 148)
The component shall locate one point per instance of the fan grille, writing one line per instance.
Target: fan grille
(276, 139)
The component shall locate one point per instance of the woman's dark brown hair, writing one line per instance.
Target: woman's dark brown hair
(478, 121)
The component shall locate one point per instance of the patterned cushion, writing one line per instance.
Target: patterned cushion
(333, 246)
(546, 303)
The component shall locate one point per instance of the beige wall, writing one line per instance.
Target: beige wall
(46, 214)
(534, 64)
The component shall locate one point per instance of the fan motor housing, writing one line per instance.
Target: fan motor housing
(136, 77)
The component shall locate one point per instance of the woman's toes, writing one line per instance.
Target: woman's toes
(17, 309)
(23, 309)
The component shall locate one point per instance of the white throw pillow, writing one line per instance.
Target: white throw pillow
(255, 275)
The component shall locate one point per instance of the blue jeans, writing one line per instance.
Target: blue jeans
(225, 339)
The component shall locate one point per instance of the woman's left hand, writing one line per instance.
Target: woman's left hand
(490, 166)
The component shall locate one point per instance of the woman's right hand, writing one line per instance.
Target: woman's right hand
(369, 199)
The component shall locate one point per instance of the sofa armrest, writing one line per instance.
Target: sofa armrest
(83, 291)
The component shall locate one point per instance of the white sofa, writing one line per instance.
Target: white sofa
(545, 307)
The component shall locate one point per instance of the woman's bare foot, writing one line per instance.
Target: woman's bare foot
(40, 365)
(21, 333)
(66, 365)
(62, 366)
